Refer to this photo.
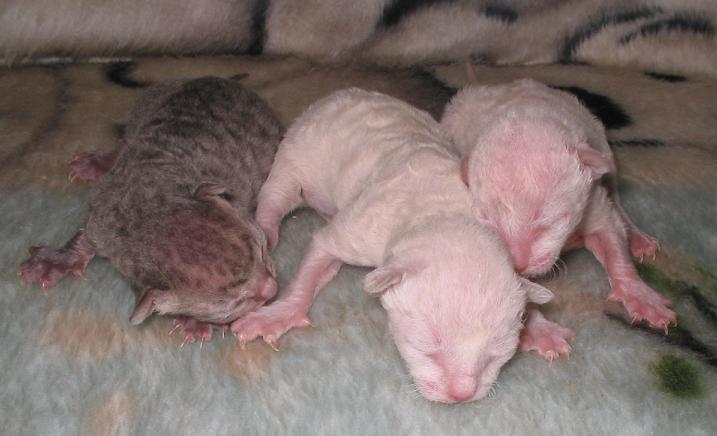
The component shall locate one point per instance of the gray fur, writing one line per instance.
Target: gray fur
(175, 212)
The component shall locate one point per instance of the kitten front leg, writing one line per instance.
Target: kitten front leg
(291, 310)
(278, 196)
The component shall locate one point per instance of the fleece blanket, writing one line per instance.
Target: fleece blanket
(72, 364)
(670, 36)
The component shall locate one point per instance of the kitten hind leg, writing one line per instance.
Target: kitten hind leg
(47, 266)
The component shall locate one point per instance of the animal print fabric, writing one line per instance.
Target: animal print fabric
(668, 36)
(72, 364)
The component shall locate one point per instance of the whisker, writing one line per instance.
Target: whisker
(564, 265)
(492, 390)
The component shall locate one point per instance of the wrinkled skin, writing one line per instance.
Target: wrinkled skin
(172, 207)
(377, 169)
(540, 169)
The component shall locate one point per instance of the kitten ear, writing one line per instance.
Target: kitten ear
(594, 161)
(536, 293)
(209, 191)
(464, 170)
(146, 306)
(388, 275)
(382, 279)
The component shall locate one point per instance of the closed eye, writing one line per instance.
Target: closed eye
(538, 232)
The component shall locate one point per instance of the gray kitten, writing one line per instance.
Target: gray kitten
(173, 209)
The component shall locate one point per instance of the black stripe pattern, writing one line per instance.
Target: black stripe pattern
(684, 23)
(397, 10)
(583, 33)
(258, 27)
(604, 108)
(500, 12)
(119, 73)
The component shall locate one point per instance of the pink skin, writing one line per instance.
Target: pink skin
(367, 163)
(533, 160)
(604, 234)
(47, 266)
(642, 245)
(317, 268)
(192, 330)
(548, 339)
(89, 166)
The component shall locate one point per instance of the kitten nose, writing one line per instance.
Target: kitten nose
(521, 258)
(461, 389)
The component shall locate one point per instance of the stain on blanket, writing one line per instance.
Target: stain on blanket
(87, 335)
(709, 277)
(82, 335)
(249, 365)
(154, 334)
(696, 314)
(110, 415)
(678, 377)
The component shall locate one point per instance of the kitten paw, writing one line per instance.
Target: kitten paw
(644, 304)
(548, 339)
(270, 323)
(47, 266)
(193, 330)
(90, 166)
(643, 246)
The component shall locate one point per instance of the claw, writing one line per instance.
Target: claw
(174, 329)
(201, 344)
(183, 342)
(223, 330)
(272, 344)
(242, 344)
(666, 329)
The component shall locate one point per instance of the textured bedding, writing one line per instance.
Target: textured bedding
(673, 36)
(72, 364)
